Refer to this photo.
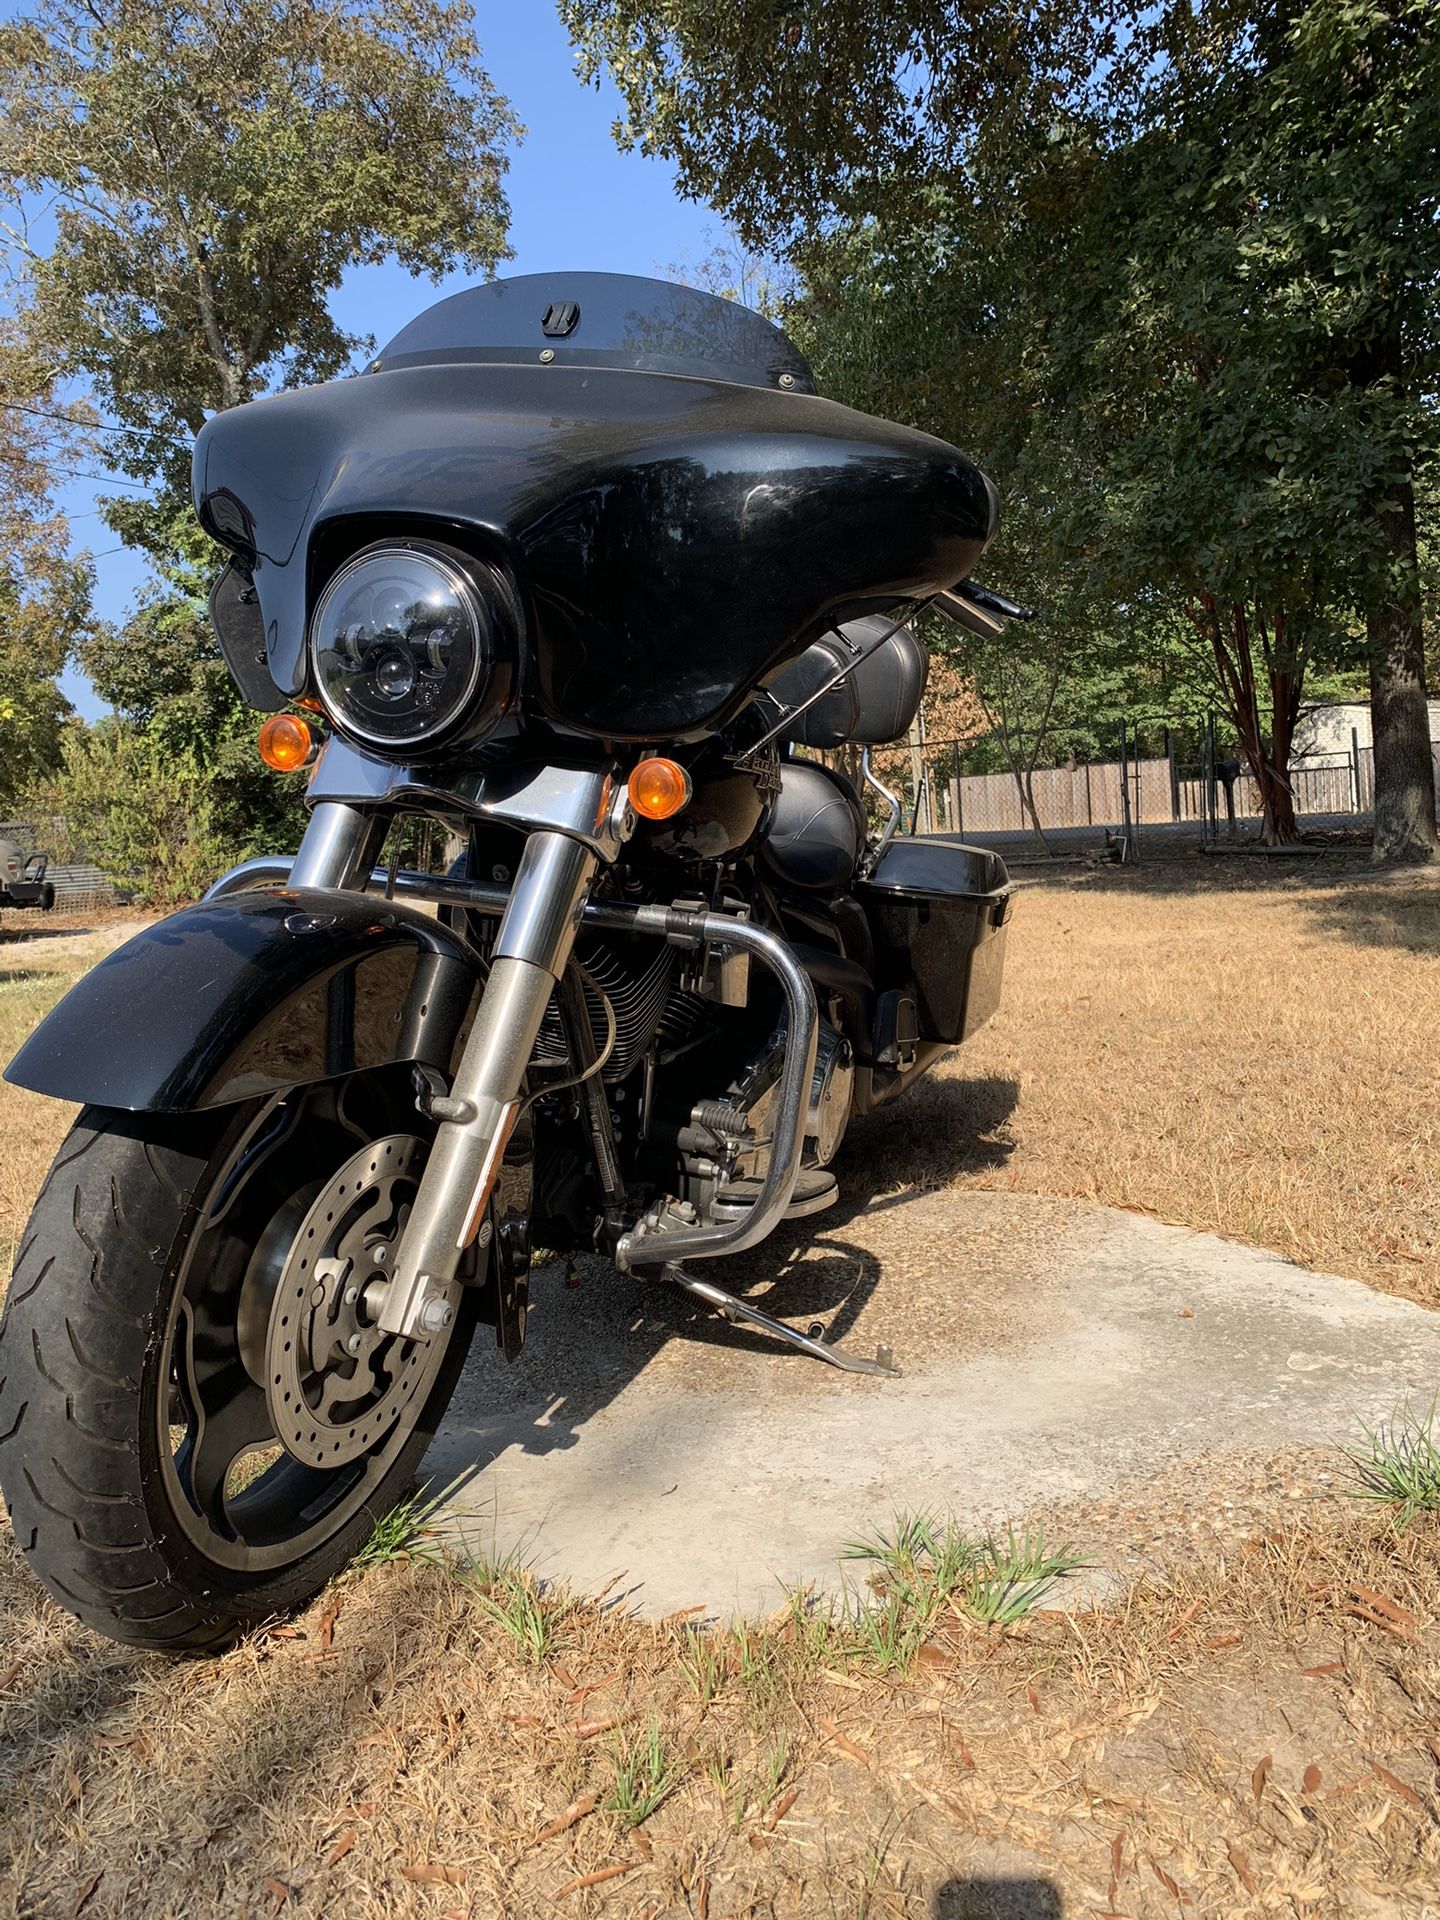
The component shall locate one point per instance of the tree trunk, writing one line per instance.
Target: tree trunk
(1399, 715)
(1269, 760)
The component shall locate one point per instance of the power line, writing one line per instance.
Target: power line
(100, 479)
(89, 426)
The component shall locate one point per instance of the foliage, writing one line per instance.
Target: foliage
(787, 116)
(1179, 260)
(208, 172)
(214, 169)
(143, 817)
(44, 595)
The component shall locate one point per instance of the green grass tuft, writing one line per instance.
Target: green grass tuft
(1399, 1466)
(646, 1774)
(407, 1532)
(530, 1613)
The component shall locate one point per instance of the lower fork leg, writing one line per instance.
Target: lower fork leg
(532, 948)
(733, 1309)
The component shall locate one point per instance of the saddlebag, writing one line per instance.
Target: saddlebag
(937, 909)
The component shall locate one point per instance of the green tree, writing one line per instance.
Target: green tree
(213, 168)
(1278, 156)
(44, 595)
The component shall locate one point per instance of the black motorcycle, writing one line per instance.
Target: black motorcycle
(582, 569)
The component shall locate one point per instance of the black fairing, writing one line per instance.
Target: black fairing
(253, 995)
(680, 514)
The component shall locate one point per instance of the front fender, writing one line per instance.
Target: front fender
(251, 995)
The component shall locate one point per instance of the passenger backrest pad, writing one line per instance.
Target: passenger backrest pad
(875, 704)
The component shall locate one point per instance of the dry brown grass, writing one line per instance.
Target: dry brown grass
(1255, 1736)
(1259, 1734)
(1220, 1045)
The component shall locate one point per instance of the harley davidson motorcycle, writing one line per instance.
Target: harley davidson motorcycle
(583, 569)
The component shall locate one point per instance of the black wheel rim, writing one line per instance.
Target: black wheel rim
(242, 1501)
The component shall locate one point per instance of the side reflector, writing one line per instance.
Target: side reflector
(286, 743)
(659, 788)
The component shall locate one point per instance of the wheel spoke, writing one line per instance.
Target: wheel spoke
(227, 1416)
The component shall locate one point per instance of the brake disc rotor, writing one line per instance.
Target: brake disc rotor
(335, 1383)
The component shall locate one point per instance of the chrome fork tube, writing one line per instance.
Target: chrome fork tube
(531, 950)
(340, 845)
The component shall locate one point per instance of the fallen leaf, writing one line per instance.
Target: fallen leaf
(760, 1842)
(342, 1846)
(1172, 1887)
(964, 1755)
(1374, 1618)
(1223, 1640)
(74, 1787)
(424, 1874)
(576, 1811)
(579, 1694)
(781, 1807)
(12, 1672)
(327, 1623)
(1397, 1786)
(284, 1633)
(1185, 1313)
(642, 1844)
(85, 1892)
(936, 1658)
(1033, 1697)
(1311, 1778)
(846, 1745)
(1323, 1673)
(1433, 1744)
(587, 1729)
(278, 1892)
(1241, 1866)
(564, 1675)
(1259, 1777)
(596, 1879)
(1183, 1621)
(523, 1719)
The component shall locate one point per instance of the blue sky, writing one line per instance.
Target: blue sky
(576, 202)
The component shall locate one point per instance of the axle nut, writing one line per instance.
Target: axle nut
(436, 1315)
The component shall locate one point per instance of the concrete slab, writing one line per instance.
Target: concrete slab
(1051, 1351)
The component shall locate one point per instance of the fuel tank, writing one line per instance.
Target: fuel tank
(680, 512)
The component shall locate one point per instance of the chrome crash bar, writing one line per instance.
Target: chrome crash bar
(662, 1237)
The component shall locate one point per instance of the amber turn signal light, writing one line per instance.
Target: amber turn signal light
(286, 743)
(659, 789)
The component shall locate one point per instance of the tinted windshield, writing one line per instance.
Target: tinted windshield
(602, 320)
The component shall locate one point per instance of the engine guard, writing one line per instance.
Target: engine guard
(251, 995)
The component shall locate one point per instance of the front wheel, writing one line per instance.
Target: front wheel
(200, 1421)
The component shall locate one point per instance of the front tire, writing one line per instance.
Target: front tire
(117, 1415)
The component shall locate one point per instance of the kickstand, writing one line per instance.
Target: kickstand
(735, 1310)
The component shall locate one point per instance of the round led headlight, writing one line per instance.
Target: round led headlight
(409, 644)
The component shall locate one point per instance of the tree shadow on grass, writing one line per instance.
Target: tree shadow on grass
(1397, 910)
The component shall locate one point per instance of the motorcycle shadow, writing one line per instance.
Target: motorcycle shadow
(590, 1341)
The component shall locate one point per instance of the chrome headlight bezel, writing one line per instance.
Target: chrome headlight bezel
(480, 695)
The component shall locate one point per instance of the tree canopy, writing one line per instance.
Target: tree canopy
(1170, 272)
(187, 183)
